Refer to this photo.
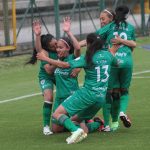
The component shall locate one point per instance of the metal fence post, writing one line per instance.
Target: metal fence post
(57, 19)
(101, 5)
(6, 26)
(142, 17)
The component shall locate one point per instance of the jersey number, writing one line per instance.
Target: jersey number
(98, 70)
(123, 35)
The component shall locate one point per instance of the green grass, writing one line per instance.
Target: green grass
(20, 121)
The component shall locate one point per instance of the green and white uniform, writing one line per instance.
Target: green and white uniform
(65, 84)
(46, 81)
(94, 89)
(121, 76)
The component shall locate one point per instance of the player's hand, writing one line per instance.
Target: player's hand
(82, 43)
(41, 56)
(117, 40)
(114, 48)
(67, 24)
(75, 72)
(36, 27)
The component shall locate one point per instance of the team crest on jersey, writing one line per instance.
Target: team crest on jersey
(42, 82)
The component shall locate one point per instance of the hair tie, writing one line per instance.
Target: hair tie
(105, 10)
(65, 42)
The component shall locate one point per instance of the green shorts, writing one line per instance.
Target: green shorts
(46, 84)
(120, 78)
(57, 102)
(82, 101)
(90, 112)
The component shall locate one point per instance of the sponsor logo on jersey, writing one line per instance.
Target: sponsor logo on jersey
(99, 88)
(122, 54)
(61, 72)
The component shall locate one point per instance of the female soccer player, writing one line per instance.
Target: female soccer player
(97, 64)
(124, 35)
(46, 77)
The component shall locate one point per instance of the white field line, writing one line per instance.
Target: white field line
(140, 77)
(141, 72)
(36, 94)
(19, 98)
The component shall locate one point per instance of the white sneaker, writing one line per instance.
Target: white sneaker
(47, 131)
(77, 136)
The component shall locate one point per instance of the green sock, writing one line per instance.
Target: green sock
(67, 123)
(47, 108)
(115, 110)
(107, 109)
(106, 113)
(124, 99)
(93, 126)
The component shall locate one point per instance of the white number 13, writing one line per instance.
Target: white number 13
(105, 67)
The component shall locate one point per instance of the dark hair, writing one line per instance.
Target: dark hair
(110, 13)
(69, 42)
(94, 43)
(121, 15)
(33, 58)
(45, 39)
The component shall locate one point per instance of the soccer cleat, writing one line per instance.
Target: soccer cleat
(97, 119)
(101, 121)
(126, 121)
(84, 135)
(77, 136)
(106, 129)
(114, 126)
(47, 131)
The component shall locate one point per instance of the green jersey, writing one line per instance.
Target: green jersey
(124, 53)
(96, 78)
(65, 84)
(42, 73)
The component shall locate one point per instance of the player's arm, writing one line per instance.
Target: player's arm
(66, 28)
(119, 40)
(49, 68)
(114, 49)
(57, 63)
(37, 32)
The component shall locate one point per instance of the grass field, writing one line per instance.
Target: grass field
(20, 120)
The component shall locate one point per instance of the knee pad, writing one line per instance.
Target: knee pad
(116, 95)
(124, 92)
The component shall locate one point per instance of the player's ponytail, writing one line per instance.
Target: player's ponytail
(45, 39)
(33, 59)
(94, 43)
